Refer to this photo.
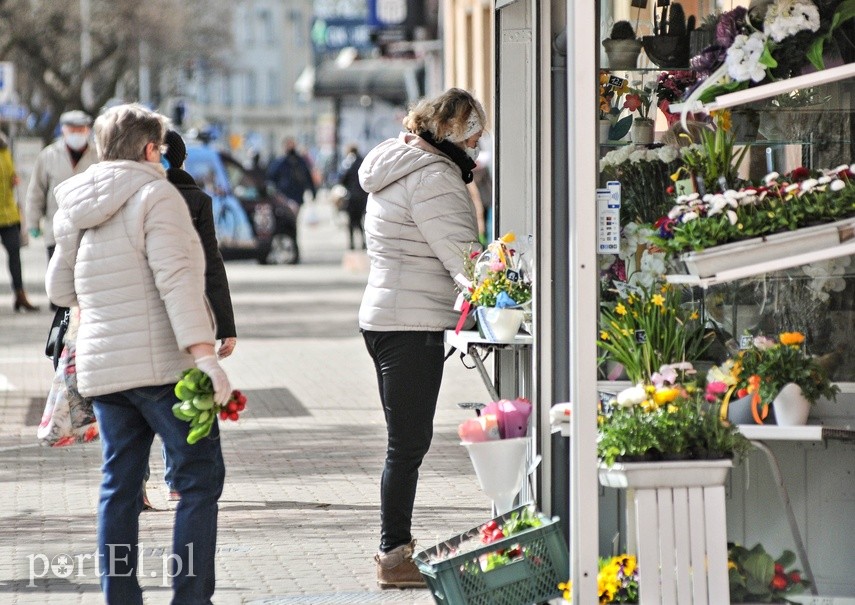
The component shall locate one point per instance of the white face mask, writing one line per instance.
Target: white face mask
(76, 140)
(473, 152)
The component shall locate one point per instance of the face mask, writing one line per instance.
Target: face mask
(76, 140)
(473, 152)
(165, 163)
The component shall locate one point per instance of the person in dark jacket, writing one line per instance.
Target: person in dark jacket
(216, 283)
(291, 175)
(357, 197)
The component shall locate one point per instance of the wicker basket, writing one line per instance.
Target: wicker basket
(533, 577)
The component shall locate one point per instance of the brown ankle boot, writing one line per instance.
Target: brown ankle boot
(21, 302)
(396, 569)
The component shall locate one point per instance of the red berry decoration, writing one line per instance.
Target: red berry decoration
(224, 415)
(233, 415)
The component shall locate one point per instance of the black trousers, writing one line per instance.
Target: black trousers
(11, 238)
(409, 373)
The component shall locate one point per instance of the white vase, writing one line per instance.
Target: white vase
(499, 325)
(791, 406)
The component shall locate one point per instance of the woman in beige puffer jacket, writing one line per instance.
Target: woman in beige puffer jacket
(419, 226)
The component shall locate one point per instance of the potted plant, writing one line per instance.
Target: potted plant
(612, 90)
(622, 47)
(669, 44)
(497, 285)
(647, 328)
(755, 577)
(778, 373)
(639, 101)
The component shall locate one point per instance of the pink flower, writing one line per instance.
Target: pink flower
(497, 266)
(714, 390)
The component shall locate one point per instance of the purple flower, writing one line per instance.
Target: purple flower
(730, 25)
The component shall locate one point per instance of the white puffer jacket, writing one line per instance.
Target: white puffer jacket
(128, 255)
(419, 224)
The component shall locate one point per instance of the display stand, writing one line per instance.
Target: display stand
(475, 346)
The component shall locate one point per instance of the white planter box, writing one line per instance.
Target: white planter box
(775, 247)
(677, 527)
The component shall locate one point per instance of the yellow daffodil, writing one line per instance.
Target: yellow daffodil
(658, 300)
(508, 238)
(620, 309)
(566, 588)
(694, 315)
(666, 395)
(604, 335)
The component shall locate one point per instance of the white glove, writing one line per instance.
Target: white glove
(219, 380)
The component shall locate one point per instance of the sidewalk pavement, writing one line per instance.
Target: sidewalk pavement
(299, 517)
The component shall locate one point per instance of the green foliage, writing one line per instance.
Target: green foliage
(715, 159)
(672, 422)
(755, 577)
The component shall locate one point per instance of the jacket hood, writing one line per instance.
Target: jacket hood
(93, 196)
(393, 159)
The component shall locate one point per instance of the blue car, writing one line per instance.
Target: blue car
(252, 220)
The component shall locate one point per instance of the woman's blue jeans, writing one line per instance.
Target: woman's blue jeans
(127, 423)
(409, 374)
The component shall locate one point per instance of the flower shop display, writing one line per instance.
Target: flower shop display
(801, 199)
(499, 448)
(669, 46)
(671, 86)
(648, 328)
(644, 179)
(640, 100)
(766, 368)
(496, 283)
(755, 577)
(622, 47)
(516, 557)
(668, 417)
(196, 405)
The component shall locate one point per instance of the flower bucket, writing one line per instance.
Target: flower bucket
(499, 325)
(500, 466)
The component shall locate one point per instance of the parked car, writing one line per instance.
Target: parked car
(252, 219)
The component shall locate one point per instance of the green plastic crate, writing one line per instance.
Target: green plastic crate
(533, 578)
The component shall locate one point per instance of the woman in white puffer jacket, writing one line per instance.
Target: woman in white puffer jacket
(420, 223)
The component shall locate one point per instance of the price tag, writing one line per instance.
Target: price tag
(513, 276)
(640, 337)
(608, 222)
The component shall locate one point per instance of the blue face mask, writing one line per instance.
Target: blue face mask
(165, 163)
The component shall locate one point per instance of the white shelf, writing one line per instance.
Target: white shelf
(462, 340)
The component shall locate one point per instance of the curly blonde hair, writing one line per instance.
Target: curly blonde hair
(449, 116)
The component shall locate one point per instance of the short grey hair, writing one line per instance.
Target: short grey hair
(122, 132)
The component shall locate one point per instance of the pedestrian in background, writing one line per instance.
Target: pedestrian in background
(357, 197)
(291, 174)
(216, 282)
(10, 225)
(419, 224)
(69, 155)
(129, 257)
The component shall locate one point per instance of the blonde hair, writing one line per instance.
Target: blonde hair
(448, 116)
(122, 132)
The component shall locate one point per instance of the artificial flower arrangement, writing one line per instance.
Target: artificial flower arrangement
(672, 416)
(612, 91)
(649, 327)
(799, 199)
(671, 86)
(754, 47)
(617, 581)
(643, 175)
(755, 577)
(197, 406)
(639, 99)
(765, 367)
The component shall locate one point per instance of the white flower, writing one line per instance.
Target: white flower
(791, 188)
(638, 155)
(837, 185)
(632, 396)
(772, 176)
(731, 217)
(689, 216)
(743, 58)
(667, 154)
(786, 18)
(808, 184)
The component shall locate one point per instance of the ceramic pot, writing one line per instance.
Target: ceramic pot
(739, 412)
(499, 325)
(622, 54)
(667, 51)
(791, 406)
(642, 131)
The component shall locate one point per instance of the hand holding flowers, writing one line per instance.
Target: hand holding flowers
(197, 406)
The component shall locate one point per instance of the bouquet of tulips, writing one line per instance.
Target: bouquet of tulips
(196, 405)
